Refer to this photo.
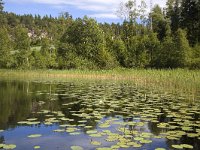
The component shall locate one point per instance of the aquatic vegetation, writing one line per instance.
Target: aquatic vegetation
(75, 133)
(115, 116)
(95, 135)
(95, 143)
(92, 132)
(34, 135)
(8, 146)
(36, 147)
(104, 148)
(59, 130)
(76, 148)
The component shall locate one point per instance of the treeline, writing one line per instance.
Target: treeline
(165, 38)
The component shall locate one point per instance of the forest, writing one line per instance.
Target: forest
(163, 38)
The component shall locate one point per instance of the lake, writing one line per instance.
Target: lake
(89, 115)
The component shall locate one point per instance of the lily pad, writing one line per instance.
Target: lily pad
(1, 145)
(76, 148)
(91, 132)
(36, 147)
(160, 149)
(177, 146)
(187, 146)
(95, 135)
(96, 143)
(9, 146)
(34, 135)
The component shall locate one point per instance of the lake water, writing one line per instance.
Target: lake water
(94, 115)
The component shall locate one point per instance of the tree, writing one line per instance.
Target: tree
(142, 12)
(65, 15)
(68, 59)
(182, 49)
(190, 20)
(128, 11)
(159, 23)
(5, 49)
(49, 53)
(120, 52)
(3, 19)
(88, 39)
(152, 45)
(195, 62)
(1, 6)
(135, 51)
(38, 61)
(22, 46)
(165, 57)
(175, 51)
(173, 14)
(13, 20)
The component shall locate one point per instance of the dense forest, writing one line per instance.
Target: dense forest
(164, 38)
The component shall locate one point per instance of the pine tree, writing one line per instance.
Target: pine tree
(190, 20)
(182, 49)
(1, 6)
(173, 14)
(159, 22)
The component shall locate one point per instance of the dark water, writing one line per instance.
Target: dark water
(120, 112)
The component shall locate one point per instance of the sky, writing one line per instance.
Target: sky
(101, 10)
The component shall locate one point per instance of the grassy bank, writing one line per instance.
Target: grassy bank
(183, 81)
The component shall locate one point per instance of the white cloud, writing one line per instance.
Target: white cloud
(100, 8)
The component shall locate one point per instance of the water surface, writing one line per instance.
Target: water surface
(94, 115)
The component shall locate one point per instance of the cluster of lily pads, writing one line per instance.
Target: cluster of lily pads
(121, 116)
(8, 146)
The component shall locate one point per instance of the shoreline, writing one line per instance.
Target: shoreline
(179, 80)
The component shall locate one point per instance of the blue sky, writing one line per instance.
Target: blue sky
(101, 10)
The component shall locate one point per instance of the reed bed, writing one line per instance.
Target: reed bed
(183, 81)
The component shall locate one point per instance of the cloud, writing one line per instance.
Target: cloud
(98, 8)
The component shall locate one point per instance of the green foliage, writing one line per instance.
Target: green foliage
(182, 49)
(190, 20)
(142, 50)
(1, 6)
(82, 43)
(22, 45)
(165, 59)
(173, 14)
(159, 22)
(49, 53)
(195, 64)
(38, 61)
(175, 51)
(120, 52)
(68, 59)
(5, 49)
(152, 44)
(88, 41)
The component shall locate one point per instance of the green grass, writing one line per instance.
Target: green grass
(179, 80)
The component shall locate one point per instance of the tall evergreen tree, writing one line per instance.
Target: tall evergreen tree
(182, 52)
(190, 19)
(1, 6)
(173, 14)
(159, 23)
